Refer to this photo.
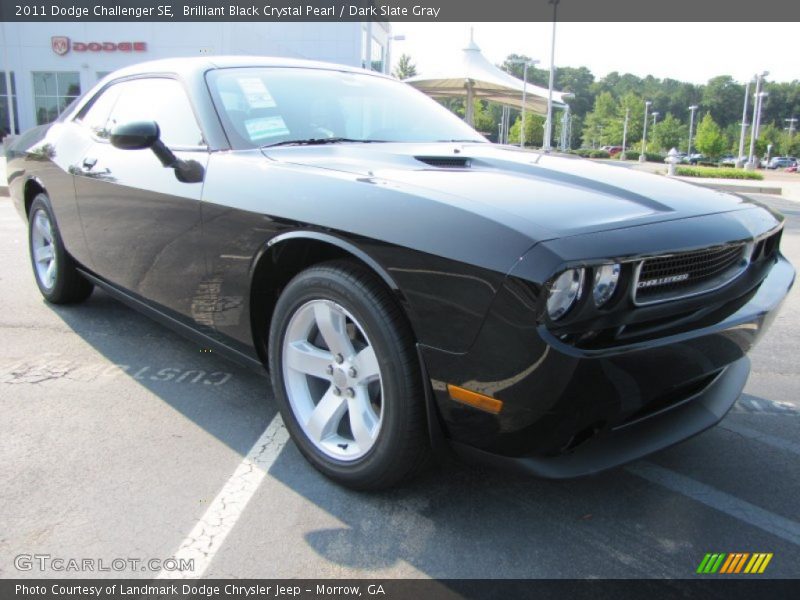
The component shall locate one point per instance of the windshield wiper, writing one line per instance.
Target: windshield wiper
(320, 142)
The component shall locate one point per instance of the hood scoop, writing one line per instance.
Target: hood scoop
(445, 162)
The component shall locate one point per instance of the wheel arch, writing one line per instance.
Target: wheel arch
(286, 255)
(33, 186)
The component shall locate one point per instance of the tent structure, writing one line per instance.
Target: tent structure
(476, 77)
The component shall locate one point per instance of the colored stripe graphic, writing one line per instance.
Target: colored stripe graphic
(711, 563)
(764, 564)
(703, 563)
(728, 564)
(741, 562)
(735, 562)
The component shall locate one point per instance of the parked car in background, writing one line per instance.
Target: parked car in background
(406, 284)
(614, 150)
(693, 159)
(781, 162)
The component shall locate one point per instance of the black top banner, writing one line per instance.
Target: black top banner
(402, 10)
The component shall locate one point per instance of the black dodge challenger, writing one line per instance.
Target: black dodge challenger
(409, 286)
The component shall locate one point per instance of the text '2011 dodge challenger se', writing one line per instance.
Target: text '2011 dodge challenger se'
(408, 285)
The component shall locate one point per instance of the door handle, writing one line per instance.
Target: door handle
(89, 163)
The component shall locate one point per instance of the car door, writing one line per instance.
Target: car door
(142, 225)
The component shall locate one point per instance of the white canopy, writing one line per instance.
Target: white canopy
(476, 77)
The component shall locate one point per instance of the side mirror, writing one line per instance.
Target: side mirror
(138, 135)
(141, 135)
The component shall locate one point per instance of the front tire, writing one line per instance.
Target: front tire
(54, 269)
(346, 377)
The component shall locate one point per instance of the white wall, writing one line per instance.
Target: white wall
(29, 46)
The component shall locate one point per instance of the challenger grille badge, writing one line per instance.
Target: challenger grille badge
(663, 280)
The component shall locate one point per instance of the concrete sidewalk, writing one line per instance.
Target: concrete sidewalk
(787, 189)
(786, 185)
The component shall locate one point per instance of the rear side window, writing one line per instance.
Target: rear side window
(96, 116)
(161, 100)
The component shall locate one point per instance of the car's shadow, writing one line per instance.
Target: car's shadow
(455, 521)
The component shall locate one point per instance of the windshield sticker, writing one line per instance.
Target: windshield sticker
(256, 93)
(266, 127)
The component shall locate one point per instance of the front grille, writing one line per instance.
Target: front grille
(687, 274)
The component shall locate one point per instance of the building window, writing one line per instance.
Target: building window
(101, 74)
(5, 116)
(53, 92)
(377, 57)
(364, 47)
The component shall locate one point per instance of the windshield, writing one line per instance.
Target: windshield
(275, 105)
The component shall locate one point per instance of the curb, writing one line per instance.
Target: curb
(746, 189)
(732, 187)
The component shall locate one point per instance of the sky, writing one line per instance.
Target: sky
(692, 52)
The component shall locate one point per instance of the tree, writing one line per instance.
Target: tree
(534, 130)
(600, 126)
(669, 133)
(405, 68)
(723, 98)
(768, 134)
(482, 118)
(709, 139)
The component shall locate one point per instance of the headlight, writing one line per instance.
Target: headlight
(606, 278)
(566, 289)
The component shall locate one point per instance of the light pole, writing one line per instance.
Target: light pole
(692, 110)
(643, 155)
(753, 133)
(565, 121)
(655, 114)
(9, 92)
(548, 122)
(756, 129)
(739, 159)
(526, 64)
(624, 134)
(761, 97)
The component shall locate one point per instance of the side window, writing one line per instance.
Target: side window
(163, 101)
(95, 118)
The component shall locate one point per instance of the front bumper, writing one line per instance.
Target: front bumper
(569, 412)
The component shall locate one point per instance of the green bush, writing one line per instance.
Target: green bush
(717, 173)
(650, 156)
(590, 153)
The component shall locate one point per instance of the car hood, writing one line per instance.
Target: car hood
(562, 194)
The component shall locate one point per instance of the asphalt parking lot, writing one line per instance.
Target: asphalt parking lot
(122, 440)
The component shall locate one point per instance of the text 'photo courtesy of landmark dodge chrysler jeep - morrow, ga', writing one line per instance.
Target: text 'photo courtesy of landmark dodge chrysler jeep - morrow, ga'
(407, 285)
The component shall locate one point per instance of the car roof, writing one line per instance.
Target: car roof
(195, 66)
(200, 64)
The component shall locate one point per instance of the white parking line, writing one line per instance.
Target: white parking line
(207, 537)
(764, 438)
(739, 509)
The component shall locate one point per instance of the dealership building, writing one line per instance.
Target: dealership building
(51, 63)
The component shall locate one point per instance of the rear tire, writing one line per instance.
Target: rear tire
(346, 377)
(54, 269)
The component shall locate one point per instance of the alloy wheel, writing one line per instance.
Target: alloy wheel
(43, 249)
(333, 380)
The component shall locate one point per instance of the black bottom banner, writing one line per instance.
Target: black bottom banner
(392, 589)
